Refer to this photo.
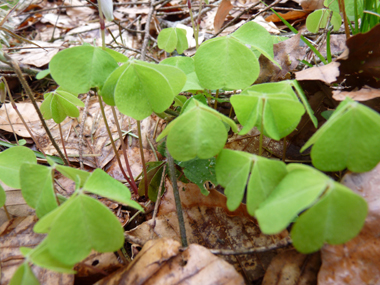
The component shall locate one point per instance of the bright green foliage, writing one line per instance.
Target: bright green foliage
(42, 74)
(73, 174)
(257, 37)
(225, 63)
(84, 224)
(117, 55)
(10, 163)
(172, 38)
(319, 18)
(349, 139)
(337, 217)
(271, 106)
(140, 88)
(295, 193)
(154, 174)
(186, 64)
(198, 132)
(78, 69)
(24, 276)
(2, 196)
(232, 172)
(102, 184)
(37, 188)
(60, 104)
(333, 5)
(199, 171)
(41, 256)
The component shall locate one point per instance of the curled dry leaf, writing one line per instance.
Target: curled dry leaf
(14, 234)
(161, 262)
(310, 5)
(224, 8)
(358, 261)
(292, 267)
(209, 223)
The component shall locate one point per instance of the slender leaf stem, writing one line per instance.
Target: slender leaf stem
(63, 143)
(216, 97)
(124, 149)
(142, 158)
(7, 213)
(261, 131)
(173, 177)
(102, 26)
(342, 8)
(112, 141)
(193, 23)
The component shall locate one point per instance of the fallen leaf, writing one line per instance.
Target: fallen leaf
(224, 8)
(364, 94)
(289, 16)
(161, 262)
(210, 224)
(310, 5)
(37, 57)
(292, 267)
(358, 261)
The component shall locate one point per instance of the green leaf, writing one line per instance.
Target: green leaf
(172, 38)
(225, 63)
(335, 219)
(3, 196)
(318, 20)
(78, 69)
(232, 172)
(74, 173)
(24, 276)
(42, 257)
(143, 88)
(186, 64)
(60, 104)
(10, 163)
(198, 132)
(297, 191)
(257, 37)
(152, 168)
(37, 188)
(84, 225)
(102, 184)
(117, 56)
(349, 139)
(349, 7)
(42, 74)
(199, 171)
(108, 90)
(273, 105)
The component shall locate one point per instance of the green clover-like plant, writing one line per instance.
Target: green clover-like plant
(335, 213)
(60, 104)
(235, 170)
(186, 64)
(139, 88)
(319, 18)
(78, 69)
(10, 163)
(154, 175)
(198, 132)
(3, 196)
(170, 39)
(24, 276)
(349, 139)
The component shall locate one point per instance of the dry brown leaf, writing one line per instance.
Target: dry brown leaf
(289, 16)
(358, 261)
(310, 5)
(326, 73)
(292, 267)
(161, 262)
(364, 94)
(224, 8)
(14, 234)
(36, 57)
(79, 14)
(210, 224)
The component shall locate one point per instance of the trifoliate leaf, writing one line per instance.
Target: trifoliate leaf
(170, 39)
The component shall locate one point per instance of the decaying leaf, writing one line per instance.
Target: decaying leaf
(161, 262)
(210, 224)
(224, 8)
(358, 261)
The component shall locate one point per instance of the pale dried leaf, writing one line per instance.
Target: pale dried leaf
(326, 73)
(36, 56)
(209, 223)
(224, 8)
(357, 261)
(161, 262)
(364, 94)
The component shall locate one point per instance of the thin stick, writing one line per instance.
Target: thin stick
(282, 243)
(81, 130)
(342, 8)
(142, 158)
(146, 35)
(112, 142)
(158, 201)
(124, 149)
(7, 213)
(6, 109)
(29, 92)
(173, 177)
(63, 143)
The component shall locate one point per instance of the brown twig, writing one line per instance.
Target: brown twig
(146, 35)
(81, 130)
(63, 143)
(158, 201)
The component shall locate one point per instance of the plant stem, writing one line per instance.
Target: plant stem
(63, 144)
(142, 158)
(216, 97)
(29, 92)
(102, 26)
(146, 35)
(261, 131)
(112, 142)
(193, 23)
(7, 213)
(173, 177)
(342, 8)
(132, 180)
